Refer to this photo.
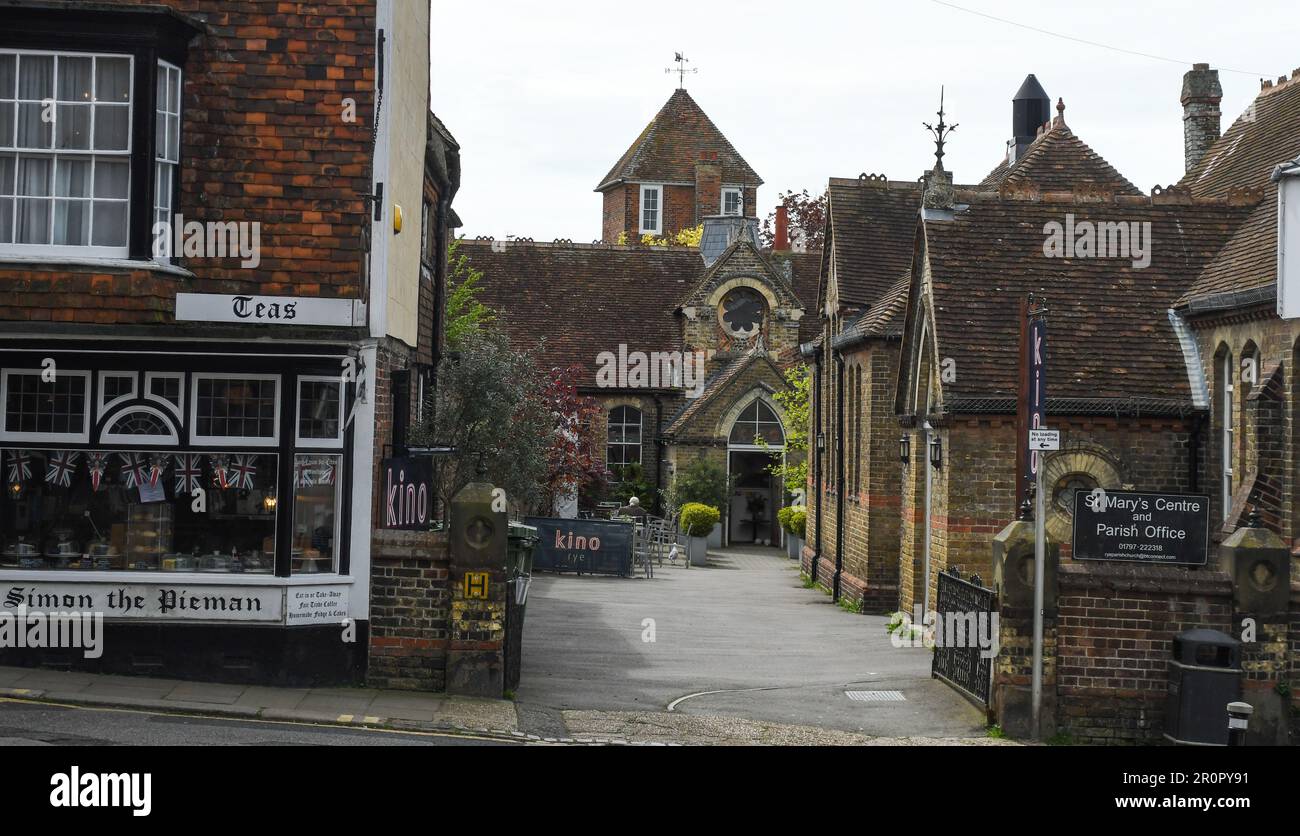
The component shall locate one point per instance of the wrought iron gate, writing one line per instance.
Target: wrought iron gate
(964, 667)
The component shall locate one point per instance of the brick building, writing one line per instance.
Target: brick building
(732, 306)
(220, 270)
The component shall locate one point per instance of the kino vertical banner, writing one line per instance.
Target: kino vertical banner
(1036, 366)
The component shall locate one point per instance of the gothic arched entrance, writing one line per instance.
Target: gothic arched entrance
(755, 443)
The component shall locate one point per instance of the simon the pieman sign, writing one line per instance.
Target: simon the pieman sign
(1141, 527)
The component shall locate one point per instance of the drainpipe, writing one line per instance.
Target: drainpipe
(1194, 453)
(818, 464)
(659, 456)
(839, 474)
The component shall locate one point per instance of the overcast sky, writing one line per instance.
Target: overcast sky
(545, 97)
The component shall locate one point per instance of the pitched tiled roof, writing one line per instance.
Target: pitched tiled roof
(1242, 160)
(578, 300)
(883, 319)
(715, 386)
(668, 148)
(872, 223)
(1059, 161)
(1107, 330)
(1268, 133)
(1248, 261)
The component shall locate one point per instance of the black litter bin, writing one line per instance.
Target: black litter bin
(1204, 676)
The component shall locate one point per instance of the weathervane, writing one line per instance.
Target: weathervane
(940, 133)
(681, 70)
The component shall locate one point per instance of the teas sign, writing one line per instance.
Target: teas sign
(408, 493)
(1141, 527)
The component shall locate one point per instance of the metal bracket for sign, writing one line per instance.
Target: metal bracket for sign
(431, 451)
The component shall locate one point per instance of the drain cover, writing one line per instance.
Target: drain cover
(875, 696)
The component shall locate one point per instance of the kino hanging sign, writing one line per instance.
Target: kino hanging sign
(268, 310)
(1037, 384)
(408, 494)
(1141, 527)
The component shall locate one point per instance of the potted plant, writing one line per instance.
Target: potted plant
(705, 482)
(794, 521)
(697, 521)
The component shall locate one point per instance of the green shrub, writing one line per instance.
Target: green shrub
(799, 523)
(702, 481)
(793, 520)
(698, 520)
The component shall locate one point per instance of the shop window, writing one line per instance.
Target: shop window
(758, 421)
(143, 425)
(320, 411)
(114, 388)
(76, 510)
(229, 409)
(167, 389)
(315, 513)
(624, 442)
(36, 409)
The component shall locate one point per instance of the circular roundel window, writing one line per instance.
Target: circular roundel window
(742, 312)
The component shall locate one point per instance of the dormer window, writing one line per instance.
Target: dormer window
(651, 210)
(733, 202)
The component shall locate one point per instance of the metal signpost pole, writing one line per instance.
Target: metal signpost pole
(1038, 420)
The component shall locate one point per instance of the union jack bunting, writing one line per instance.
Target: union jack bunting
(327, 472)
(157, 464)
(242, 471)
(304, 473)
(189, 472)
(134, 469)
(220, 476)
(20, 465)
(97, 464)
(59, 467)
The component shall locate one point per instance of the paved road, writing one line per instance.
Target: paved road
(38, 724)
(742, 624)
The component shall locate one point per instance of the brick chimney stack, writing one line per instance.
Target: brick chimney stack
(781, 240)
(708, 186)
(1200, 98)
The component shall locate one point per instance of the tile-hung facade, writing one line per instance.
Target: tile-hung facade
(920, 294)
(605, 308)
(210, 326)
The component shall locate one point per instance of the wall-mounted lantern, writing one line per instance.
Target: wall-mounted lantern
(936, 451)
(821, 442)
(904, 448)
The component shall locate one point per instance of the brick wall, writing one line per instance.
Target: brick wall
(1115, 630)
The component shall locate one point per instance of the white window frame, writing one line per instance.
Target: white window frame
(751, 447)
(658, 191)
(105, 406)
(107, 437)
(170, 158)
(327, 443)
(639, 445)
(177, 410)
(197, 440)
(71, 250)
(740, 201)
(74, 438)
(1227, 433)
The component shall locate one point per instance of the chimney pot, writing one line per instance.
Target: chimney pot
(781, 241)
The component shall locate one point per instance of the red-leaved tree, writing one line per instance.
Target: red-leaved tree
(575, 458)
(807, 218)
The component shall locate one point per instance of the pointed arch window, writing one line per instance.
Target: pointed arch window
(757, 421)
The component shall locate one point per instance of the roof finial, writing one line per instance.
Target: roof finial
(940, 134)
(681, 70)
(1060, 114)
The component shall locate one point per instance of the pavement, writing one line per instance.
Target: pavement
(737, 652)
